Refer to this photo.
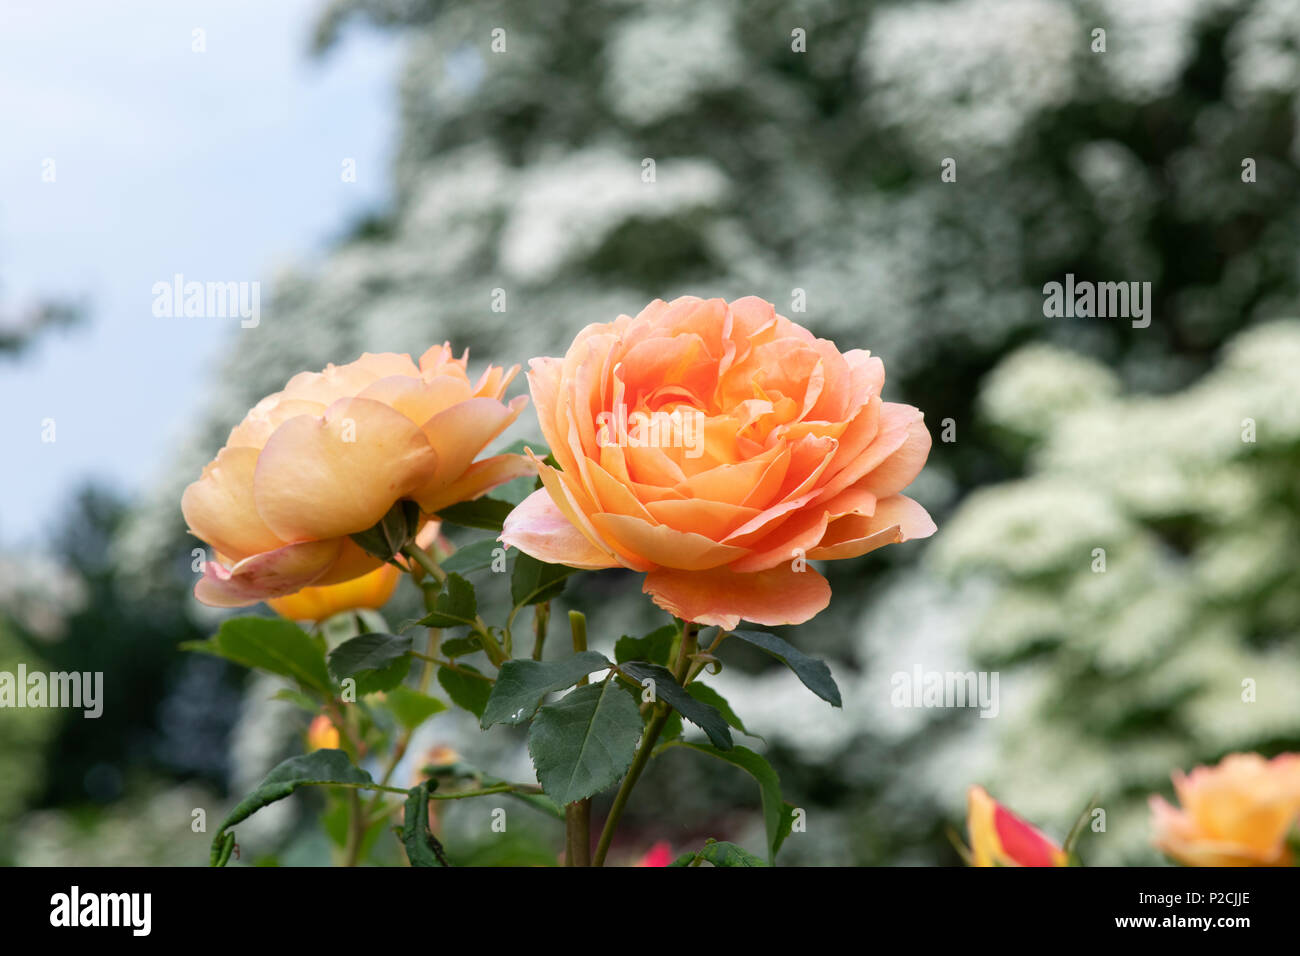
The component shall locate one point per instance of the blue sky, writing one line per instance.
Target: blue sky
(220, 165)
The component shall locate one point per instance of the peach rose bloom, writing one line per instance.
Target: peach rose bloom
(1238, 813)
(1000, 838)
(328, 456)
(783, 449)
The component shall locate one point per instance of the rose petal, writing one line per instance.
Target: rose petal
(662, 545)
(794, 539)
(896, 519)
(220, 509)
(477, 480)
(721, 597)
(537, 527)
(901, 468)
(459, 433)
(267, 575)
(417, 399)
(340, 473)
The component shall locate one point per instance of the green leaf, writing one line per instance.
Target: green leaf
(488, 514)
(719, 854)
(776, 820)
(384, 679)
(270, 644)
(655, 647)
(465, 690)
(533, 581)
(672, 726)
(516, 491)
(472, 557)
(422, 848)
(816, 676)
(666, 688)
(456, 605)
(585, 741)
(460, 646)
(318, 767)
(522, 684)
(369, 652)
(412, 708)
(377, 662)
(297, 698)
(707, 695)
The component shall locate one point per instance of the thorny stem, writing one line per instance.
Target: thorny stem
(699, 665)
(426, 562)
(680, 670)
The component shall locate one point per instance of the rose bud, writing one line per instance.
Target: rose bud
(322, 734)
(1000, 838)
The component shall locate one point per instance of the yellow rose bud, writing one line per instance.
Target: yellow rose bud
(322, 734)
(1238, 813)
(316, 604)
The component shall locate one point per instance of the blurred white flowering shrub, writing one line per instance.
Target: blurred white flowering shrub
(1181, 645)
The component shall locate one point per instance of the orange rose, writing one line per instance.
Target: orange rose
(329, 456)
(1238, 813)
(713, 446)
(1000, 838)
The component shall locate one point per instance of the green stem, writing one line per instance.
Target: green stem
(525, 788)
(541, 620)
(685, 648)
(428, 563)
(697, 666)
(453, 667)
(577, 815)
(425, 561)
(356, 830)
(485, 791)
